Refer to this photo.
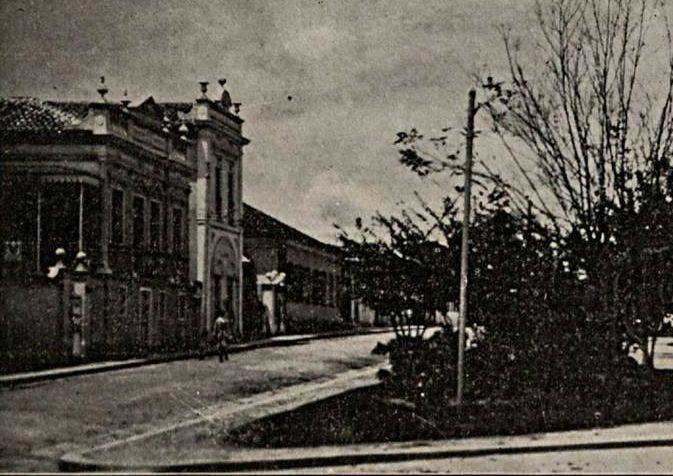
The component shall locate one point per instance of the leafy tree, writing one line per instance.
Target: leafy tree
(568, 272)
(401, 265)
(592, 142)
(405, 268)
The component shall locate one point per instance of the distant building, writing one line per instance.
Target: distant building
(300, 279)
(150, 194)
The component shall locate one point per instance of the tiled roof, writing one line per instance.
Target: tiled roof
(79, 109)
(33, 115)
(258, 224)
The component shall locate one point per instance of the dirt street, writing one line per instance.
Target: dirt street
(40, 422)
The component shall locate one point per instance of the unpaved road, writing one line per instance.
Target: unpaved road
(40, 422)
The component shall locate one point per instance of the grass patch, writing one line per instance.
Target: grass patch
(368, 415)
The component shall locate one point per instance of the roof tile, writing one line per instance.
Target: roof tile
(25, 114)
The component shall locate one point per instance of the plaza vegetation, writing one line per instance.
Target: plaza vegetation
(570, 262)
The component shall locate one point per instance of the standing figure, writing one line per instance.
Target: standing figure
(221, 329)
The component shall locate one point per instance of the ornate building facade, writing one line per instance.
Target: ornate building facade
(148, 197)
(216, 233)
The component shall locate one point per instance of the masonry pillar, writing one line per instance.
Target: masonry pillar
(269, 301)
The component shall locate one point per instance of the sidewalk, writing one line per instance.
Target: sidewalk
(94, 367)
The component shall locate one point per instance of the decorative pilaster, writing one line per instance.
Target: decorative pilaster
(106, 220)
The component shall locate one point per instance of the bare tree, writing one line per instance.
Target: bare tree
(601, 138)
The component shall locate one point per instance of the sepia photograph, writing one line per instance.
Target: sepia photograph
(336, 236)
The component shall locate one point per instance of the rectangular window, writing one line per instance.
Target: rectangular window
(124, 304)
(218, 190)
(315, 287)
(144, 315)
(306, 285)
(138, 222)
(328, 290)
(156, 237)
(323, 288)
(162, 330)
(155, 326)
(292, 283)
(337, 290)
(117, 217)
(181, 325)
(232, 290)
(231, 202)
(178, 231)
(216, 292)
(115, 325)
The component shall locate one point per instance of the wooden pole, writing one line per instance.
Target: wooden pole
(462, 316)
(39, 228)
(80, 241)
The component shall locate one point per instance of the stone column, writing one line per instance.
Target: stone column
(268, 298)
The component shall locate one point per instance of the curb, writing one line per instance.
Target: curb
(64, 372)
(76, 463)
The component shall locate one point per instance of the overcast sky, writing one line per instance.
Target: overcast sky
(357, 71)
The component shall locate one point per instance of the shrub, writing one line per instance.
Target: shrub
(423, 371)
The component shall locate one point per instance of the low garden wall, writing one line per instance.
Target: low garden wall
(31, 325)
(124, 318)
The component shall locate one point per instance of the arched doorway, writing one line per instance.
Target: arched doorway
(224, 280)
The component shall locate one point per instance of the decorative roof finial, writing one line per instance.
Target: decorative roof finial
(81, 265)
(225, 100)
(237, 107)
(126, 101)
(183, 130)
(102, 90)
(204, 88)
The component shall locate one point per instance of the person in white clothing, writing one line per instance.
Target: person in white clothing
(221, 331)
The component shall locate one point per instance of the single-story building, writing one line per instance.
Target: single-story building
(301, 280)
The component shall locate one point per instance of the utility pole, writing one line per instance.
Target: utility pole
(462, 316)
